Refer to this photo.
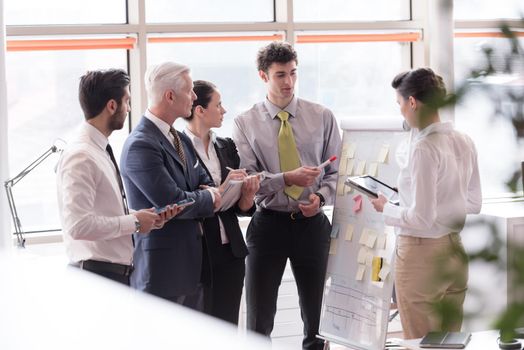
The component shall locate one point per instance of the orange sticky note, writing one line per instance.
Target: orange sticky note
(358, 203)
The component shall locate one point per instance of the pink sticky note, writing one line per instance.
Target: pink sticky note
(358, 203)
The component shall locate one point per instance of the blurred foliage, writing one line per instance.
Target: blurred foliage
(509, 102)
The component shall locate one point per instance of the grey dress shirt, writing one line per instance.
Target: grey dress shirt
(317, 136)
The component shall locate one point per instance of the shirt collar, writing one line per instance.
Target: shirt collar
(273, 110)
(161, 125)
(438, 127)
(95, 135)
(194, 139)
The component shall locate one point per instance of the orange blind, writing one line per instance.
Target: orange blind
(71, 44)
(355, 38)
(484, 34)
(195, 39)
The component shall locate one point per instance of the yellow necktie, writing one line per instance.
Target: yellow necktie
(288, 154)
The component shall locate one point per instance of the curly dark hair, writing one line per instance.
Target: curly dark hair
(423, 84)
(277, 51)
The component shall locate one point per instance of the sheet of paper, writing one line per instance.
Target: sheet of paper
(361, 167)
(362, 255)
(333, 247)
(384, 272)
(352, 147)
(349, 166)
(334, 230)
(373, 169)
(357, 206)
(349, 232)
(381, 241)
(383, 154)
(231, 194)
(360, 272)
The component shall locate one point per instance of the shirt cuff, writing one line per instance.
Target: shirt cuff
(392, 211)
(127, 224)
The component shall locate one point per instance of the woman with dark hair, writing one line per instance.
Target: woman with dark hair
(438, 187)
(224, 266)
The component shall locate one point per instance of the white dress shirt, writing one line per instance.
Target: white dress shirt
(439, 185)
(90, 202)
(212, 163)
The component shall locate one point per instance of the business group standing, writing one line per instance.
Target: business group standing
(438, 186)
(224, 268)
(160, 167)
(286, 137)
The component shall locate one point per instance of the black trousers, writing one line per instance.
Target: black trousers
(273, 239)
(223, 284)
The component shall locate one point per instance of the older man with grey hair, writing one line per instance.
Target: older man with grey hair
(160, 167)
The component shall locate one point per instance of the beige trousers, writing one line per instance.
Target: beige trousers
(431, 278)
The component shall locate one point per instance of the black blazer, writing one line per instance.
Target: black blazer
(227, 156)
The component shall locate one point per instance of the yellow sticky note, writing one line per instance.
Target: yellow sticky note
(360, 272)
(369, 259)
(362, 255)
(349, 232)
(383, 154)
(360, 167)
(373, 169)
(352, 147)
(376, 266)
(345, 148)
(372, 238)
(333, 247)
(381, 242)
(349, 166)
(340, 186)
(342, 166)
(384, 272)
(363, 237)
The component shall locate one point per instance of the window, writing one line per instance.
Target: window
(477, 116)
(43, 106)
(195, 11)
(351, 78)
(344, 10)
(34, 12)
(482, 9)
(232, 67)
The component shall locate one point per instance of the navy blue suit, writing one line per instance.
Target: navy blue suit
(168, 261)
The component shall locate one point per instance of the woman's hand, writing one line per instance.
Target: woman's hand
(235, 174)
(250, 186)
(378, 203)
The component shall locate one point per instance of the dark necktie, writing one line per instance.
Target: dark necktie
(119, 178)
(178, 146)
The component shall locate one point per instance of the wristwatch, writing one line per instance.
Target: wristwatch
(137, 225)
(322, 200)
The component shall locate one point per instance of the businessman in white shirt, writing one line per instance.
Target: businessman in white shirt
(97, 226)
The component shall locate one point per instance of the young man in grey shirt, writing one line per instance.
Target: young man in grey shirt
(286, 137)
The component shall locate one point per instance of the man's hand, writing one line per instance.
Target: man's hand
(304, 176)
(378, 203)
(170, 212)
(310, 209)
(147, 218)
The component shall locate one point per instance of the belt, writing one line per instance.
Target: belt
(293, 215)
(103, 266)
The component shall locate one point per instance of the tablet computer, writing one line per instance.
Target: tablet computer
(370, 186)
